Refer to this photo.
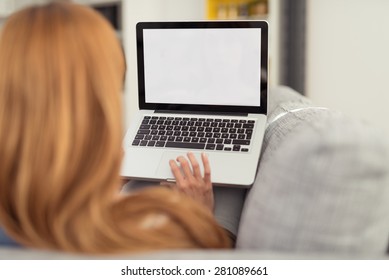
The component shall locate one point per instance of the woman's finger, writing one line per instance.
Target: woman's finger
(195, 165)
(176, 172)
(207, 168)
(185, 167)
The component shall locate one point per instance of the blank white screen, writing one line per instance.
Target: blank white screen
(203, 66)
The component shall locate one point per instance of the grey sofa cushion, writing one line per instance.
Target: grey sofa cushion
(322, 183)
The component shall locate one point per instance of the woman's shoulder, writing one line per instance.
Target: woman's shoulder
(5, 240)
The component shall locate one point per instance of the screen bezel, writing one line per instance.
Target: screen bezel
(263, 25)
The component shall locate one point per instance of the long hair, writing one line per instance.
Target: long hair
(61, 74)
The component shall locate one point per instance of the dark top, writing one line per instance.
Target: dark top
(5, 240)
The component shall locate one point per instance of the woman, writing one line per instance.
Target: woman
(61, 74)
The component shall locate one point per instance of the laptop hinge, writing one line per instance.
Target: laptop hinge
(201, 113)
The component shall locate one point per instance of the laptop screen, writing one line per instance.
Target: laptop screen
(214, 64)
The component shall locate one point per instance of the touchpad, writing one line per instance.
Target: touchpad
(163, 170)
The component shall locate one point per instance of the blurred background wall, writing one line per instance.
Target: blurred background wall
(333, 51)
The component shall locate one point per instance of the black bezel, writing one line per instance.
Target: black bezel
(204, 24)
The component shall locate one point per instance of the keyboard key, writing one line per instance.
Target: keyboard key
(195, 139)
(160, 144)
(242, 121)
(219, 141)
(192, 128)
(163, 138)
(139, 136)
(192, 134)
(135, 142)
(224, 130)
(154, 118)
(185, 133)
(229, 125)
(171, 138)
(152, 122)
(224, 135)
(236, 148)
(241, 136)
(177, 118)
(154, 132)
(238, 125)
(185, 145)
(233, 136)
(240, 142)
(244, 150)
(155, 138)
(216, 135)
(148, 137)
(248, 125)
(179, 139)
(251, 121)
(143, 143)
(211, 140)
(240, 130)
(145, 122)
(177, 133)
(203, 140)
(219, 147)
(145, 126)
(200, 134)
(227, 141)
(186, 139)
(185, 119)
(193, 119)
(144, 131)
(162, 118)
(146, 117)
(210, 147)
(169, 132)
(151, 143)
(226, 120)
(201, 120)
(228, 149)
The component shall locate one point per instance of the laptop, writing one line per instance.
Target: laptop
(202, 87)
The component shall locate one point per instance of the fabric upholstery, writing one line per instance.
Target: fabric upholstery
(322, 183)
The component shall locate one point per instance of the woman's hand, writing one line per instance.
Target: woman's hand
(191, 182)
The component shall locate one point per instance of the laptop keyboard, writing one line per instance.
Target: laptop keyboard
(233, 135)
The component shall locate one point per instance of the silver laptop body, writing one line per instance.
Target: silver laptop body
(202, 88)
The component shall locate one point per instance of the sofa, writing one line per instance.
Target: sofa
(321, 191)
